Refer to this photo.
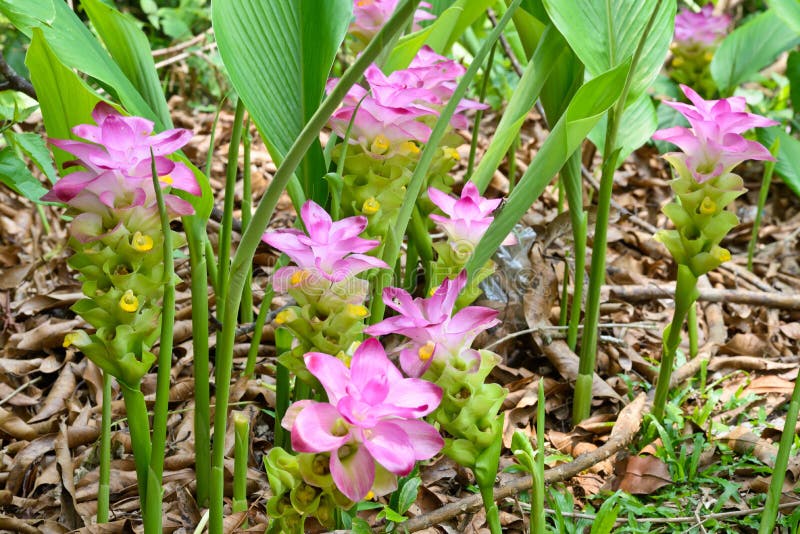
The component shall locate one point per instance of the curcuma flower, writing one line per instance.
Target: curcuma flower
(371, 417)
(330, 250)
(369, 16)
(433, 330)
(703, 27)
(713, 145)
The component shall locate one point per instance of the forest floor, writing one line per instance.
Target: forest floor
(705, 471)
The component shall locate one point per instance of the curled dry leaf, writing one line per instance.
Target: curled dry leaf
(744, 441)
(641, 475)
(70, 516)
(770, 384)
(566, 363)
(16, 427)
(62, 389)
(47, 335)
(21, 367)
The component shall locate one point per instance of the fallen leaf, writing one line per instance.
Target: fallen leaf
(769, 384)
(62, 389)
(641, 475)
(47, 335)
(16, 427)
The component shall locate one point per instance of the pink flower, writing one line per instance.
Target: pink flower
(371, 15)
(119, 143)
(433, 330)
(713, 145)
(468, 217)
(372, 416)
(703, 27)
(331, 250)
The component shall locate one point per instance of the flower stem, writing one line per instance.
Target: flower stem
(571, 179)
(473, 146)
(770, 515)
(246, 309)
(152, 523)
(685, 296)
(252, 237)
(283, 388)
(766, 180)
(139, 428)
(241, 454)
(537, 513)
(104, 489)
(583, 397)
(195, 233)
(691, 325)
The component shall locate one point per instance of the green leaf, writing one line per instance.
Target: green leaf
(278, 55)
(605, 34)
(789, 12)
(130, 48)
(750, 48)
(788, 159)
(793, 74)
(639, 121)
(584, 111)
(35, 148)
(75, 46)
(408, 494)
(15, 174)
(64, 98)
(550, 50)
(606, 517)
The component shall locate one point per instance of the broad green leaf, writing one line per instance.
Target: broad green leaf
(551, 48)
(789, 12)
(440, 35)
(793, 74)
(35, 148)
(750, 48)
(584, 111)
(529, 28)
(605, 33)
(75, 47)
(639, 121)
(130, 48)
(788, 160)
(64, 98)
(606, 517)
(278, 55)
(15, 174)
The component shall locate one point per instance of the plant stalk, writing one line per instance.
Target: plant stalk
(537, 512)
(766, 180)
(139, 428)
(104, 488)
(241, 454)
(246, 309)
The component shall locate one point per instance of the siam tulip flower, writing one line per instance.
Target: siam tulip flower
(468, 217)
(123, 144)
(432, 328)
(713, 145)
(372, 416)
(703, 27)
(330, 250)
(371, 15)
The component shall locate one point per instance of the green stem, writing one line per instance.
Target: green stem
(572, 182)
(283, 388)
(226, 228)
(766, 180)
(512, 163)
(685, 296)
(537, 513)
(139, 428)
(258, 330)
(241, 454)
(392, 248)
(152, 523)
(195, 233)
(583, 399)
(252, 237)
(104, 489)
(246, 309)
(485, 470)
(562, 316)
(211, 262)
(691, 324)
(770, 515)
(473, 146)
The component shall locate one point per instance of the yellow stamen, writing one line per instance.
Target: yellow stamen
(141, 242)
(677, 61)
(380, 144)
(408, 148)
(452, 153)
(70, 339)
(432, 291)
(708, 56)
(166, 179)
(708, 206)
(426, 351)
(357, 311)
(298, 277)
(722, 254)
(286, 316)
(129, 302)
(371, 206)
(370, 495)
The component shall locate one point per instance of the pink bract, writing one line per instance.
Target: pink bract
(702, 27)
(434, 331)
(468, 217)
(372, 415)
(371, 15)
(713, 145)
(329, 249)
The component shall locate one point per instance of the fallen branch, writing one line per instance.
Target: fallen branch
(640, 293)
(13, 80)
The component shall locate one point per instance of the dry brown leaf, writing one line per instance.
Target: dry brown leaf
(566, 363)
(16, 427)
(15, 397)
(748, 363)
(743, 441)
(745, 344)
(769, 384)
(13, 277)
(791, 330)
(62, 389)
(70, 515)
(47, 335)
(122, 526)
(641, 475)
(542, 291)
(19, 367)
(12, 524)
